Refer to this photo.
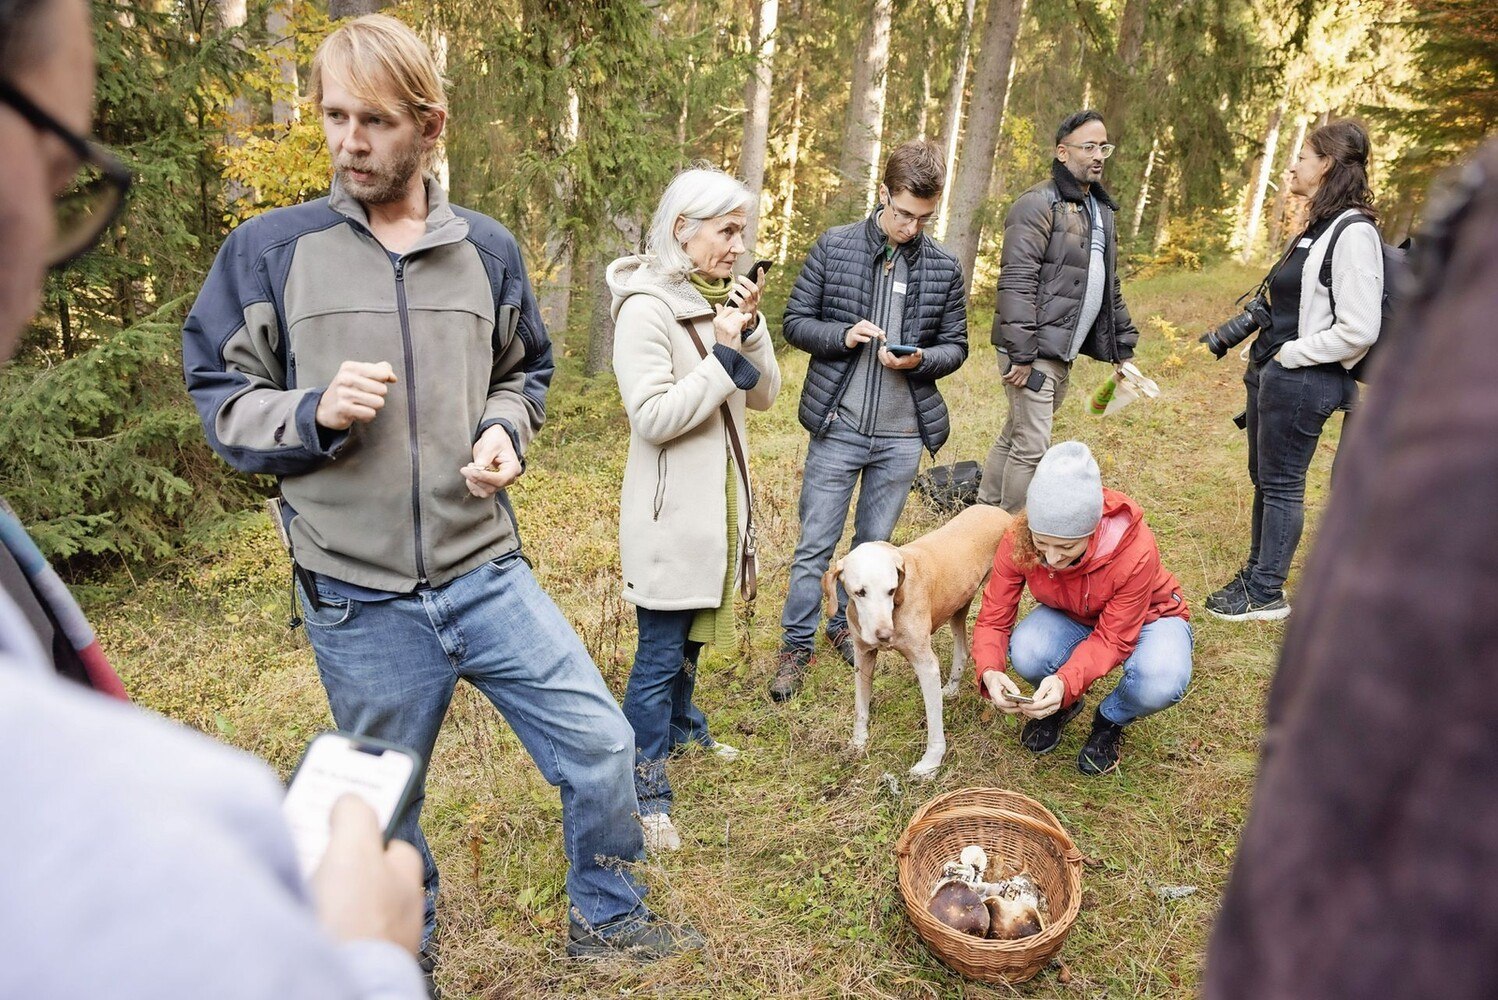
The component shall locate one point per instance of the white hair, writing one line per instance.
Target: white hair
(694, 196)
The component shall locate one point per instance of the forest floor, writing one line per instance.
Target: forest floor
(789, 865)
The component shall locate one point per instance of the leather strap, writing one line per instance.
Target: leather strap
(748, 557)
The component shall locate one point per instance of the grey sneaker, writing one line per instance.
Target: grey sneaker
(790, 667)
(647, 940)
(1232, 591)
(842, 641)
(1244, 608)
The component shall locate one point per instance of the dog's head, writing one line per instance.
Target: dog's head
(873, 574)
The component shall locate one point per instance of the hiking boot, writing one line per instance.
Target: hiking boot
(660, 834)
(427, 961)
(1232, 591)
(790, 667)
(1244, 607)
(643, 940)
(842, 641)
(1042, 735)
(1103, 748)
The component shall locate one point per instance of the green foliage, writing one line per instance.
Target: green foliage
(108, 458)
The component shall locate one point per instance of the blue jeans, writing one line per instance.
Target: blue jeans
(835, 463)
(390, 669)
(1287, 408)
(658, 702)
(1154, 676)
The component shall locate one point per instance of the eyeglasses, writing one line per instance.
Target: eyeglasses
(905, 218)
(95, 195)
(1089, 148)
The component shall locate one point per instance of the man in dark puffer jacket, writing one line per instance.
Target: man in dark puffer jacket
(881, 310)
(1058, 297)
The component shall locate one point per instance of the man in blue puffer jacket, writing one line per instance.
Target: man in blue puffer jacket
(882, 311)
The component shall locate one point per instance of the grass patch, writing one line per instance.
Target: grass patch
(789, 865)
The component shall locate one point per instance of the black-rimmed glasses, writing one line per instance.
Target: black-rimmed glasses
(97, 193)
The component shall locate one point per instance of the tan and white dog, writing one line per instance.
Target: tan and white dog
(898, 597)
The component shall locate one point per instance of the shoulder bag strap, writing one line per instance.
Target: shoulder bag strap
(748, 563)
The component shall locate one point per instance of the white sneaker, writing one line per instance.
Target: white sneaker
(725, 751)
(660, 835)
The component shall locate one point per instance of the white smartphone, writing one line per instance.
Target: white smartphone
(337, 764)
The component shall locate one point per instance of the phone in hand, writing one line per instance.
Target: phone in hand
(336, 764)
(1023, 699)
(901, 350)
(757, 275)
(1036, 380)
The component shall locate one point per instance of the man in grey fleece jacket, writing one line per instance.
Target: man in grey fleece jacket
(381, 352)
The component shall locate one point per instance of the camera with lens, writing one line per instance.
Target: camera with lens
(1254, 317)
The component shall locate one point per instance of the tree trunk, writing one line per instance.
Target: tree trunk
(1282, 193)
(1261, 182)
(355, 8)
(1144, 189)
(991, 72)
(278, 23)
(1116, 105)
(955, 94)
(792, 156)
(231, 16)
(437, 39)
(556, 290)
(863, 126)
(619, 235)
(921, 114)
(757, 119)
(1162, 218)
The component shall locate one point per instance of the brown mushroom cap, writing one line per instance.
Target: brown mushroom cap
(959, 906)
(1008, 919)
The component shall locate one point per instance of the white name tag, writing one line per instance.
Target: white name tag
(899, 288)
(1304, 244)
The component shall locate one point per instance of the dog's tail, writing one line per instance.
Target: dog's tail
(829, 588)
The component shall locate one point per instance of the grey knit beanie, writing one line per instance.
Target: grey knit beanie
(1066, 494)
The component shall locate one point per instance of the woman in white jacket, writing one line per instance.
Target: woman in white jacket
(1298, 367)
(690, 346)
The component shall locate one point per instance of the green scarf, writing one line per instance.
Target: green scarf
(717, 626)
(714, 290)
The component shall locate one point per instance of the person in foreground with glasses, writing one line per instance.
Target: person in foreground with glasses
(145, 860)
(1059, 297)
(882, 310)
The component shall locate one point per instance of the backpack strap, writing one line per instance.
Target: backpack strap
(1326, 262)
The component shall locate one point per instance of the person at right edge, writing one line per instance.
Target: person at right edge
(1369, 863)
(1297, 373)
(1059, 296)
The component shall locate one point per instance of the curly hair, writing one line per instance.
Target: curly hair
(1023, 552)
(1345, 184)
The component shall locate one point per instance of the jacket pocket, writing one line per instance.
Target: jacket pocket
(661, 466)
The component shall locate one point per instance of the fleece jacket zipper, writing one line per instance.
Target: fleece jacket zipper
(406, 345)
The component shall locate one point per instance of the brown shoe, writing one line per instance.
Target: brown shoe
(790, 667)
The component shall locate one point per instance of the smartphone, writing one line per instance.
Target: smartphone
(901, 350)
(1023, 699)
(337, 764)
(1035, 382)
(757, 275)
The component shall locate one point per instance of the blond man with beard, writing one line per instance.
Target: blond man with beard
(380, 351)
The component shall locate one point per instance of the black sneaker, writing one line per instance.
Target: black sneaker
(647, 940)
(1103, 748)
(1043, 735)
(1244, 607)
(842, 641)
(790, 667)
(1231, 592)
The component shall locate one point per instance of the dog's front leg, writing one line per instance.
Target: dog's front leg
(961, 652)
(928, 674)
(863, 693)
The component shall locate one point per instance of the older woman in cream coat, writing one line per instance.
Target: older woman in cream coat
(689, 344)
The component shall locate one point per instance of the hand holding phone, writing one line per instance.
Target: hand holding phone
(901, 350)
(336, 764)
(738, 299)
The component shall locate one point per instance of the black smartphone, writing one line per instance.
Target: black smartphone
(1035, 382)
(901, 350)
(757, 275)
(336, 764)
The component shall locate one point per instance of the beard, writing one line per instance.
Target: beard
(388, 177)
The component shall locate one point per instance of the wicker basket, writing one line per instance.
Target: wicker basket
(1019, 834)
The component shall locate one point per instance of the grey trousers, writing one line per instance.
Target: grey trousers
(1025, 437)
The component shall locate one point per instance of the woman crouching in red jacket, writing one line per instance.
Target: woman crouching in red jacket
(1103, 599)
